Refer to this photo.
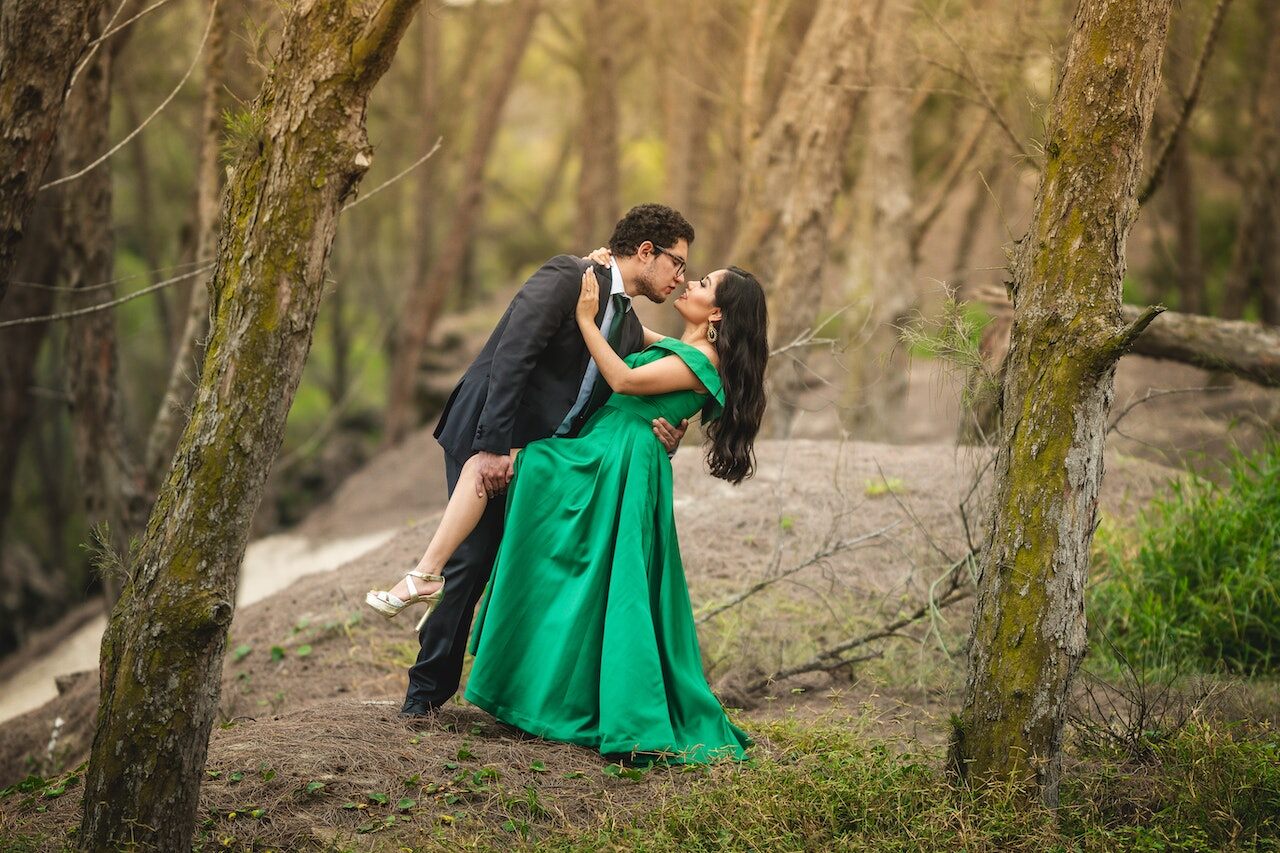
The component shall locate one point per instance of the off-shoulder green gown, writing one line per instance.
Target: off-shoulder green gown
(585, 633)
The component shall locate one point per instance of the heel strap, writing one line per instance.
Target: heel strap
(425, 577)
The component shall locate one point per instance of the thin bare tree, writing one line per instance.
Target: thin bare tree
(598, 187)
(1254, 273)
(185, 366)
(793, 174)
(426, 298)
(109, 476)
(880, 377)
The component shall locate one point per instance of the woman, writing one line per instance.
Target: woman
(586, 633)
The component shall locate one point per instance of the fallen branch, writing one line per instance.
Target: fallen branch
(1249, 350)
(830, 550)
(833, 657)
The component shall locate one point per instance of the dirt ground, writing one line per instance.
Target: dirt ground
(313, 677)
(316, 641)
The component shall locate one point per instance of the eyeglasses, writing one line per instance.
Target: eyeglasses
(675, 259)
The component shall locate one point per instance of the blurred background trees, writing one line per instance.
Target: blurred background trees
(864, 158)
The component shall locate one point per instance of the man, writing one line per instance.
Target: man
(535, 379)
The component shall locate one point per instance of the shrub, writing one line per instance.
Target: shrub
(1202, 589)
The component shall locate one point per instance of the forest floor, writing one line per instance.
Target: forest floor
(309, 751)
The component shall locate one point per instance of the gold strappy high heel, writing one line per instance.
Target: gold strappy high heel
(389, 605)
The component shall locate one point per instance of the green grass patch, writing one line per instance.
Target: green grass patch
(1197, 584)
(831, 787)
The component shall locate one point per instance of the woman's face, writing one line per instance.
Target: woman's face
(698, 302)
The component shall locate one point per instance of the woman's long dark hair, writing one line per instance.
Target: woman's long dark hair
(743, 347)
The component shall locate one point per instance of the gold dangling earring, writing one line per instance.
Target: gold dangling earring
(712, 334)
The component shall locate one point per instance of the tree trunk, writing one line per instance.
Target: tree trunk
(1255, 264)
(109, 480)
(40, 46)
(1028, 633)
(597, 188)
(1190, 272)
(689, 113)
(148, 235)
(427, 298)
(51, 452)
(340, 348)
(793, 174)
(185, 367)
(429, 187)
(162, 652)
(880, 377)
(1189, 258)
(36, 262)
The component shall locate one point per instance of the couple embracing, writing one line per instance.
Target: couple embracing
(586, 633)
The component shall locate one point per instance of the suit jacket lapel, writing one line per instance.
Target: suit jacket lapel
(605, 281)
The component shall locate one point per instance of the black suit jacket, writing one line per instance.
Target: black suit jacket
(527, 376)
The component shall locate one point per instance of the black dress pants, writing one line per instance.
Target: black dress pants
(435, 676)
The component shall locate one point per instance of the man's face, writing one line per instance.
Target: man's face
(663, 272)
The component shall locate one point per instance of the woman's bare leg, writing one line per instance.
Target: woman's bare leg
(461, 515)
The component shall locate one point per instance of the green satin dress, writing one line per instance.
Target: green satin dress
(585, 634)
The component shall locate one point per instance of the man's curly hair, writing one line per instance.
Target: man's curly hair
(657, 223)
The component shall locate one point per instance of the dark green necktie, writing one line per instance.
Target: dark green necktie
(614, 333)
(601, 390)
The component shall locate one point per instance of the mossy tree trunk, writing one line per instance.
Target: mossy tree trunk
(40, 45)
(303, 154)
(1028, 633)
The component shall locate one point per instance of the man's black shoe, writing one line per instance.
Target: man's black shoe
(416, 710)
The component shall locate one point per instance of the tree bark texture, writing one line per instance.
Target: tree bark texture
(109, 478)
(426, 299)
(36, 262)
(30, 592)
(428, 187)
(1190, 260)
(40, 46)
(185, 367)
(1028, 632)
(597, 188)
(793, 174)
(881, 373)
(162, 651)
(1254, 273)
(149, 240)
(1188, 256)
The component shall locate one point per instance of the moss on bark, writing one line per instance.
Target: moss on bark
(1028, 627)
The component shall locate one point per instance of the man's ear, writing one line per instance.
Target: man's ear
(644, 252)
